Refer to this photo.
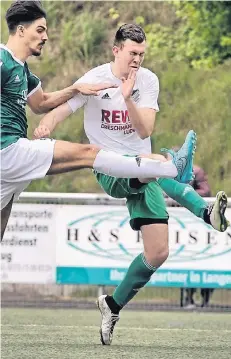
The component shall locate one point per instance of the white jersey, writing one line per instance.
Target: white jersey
(106, 120)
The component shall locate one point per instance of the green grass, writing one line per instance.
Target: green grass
(73, 334)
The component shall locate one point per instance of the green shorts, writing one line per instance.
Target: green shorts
(146, 205)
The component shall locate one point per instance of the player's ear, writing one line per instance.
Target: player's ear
(20, 30)
(115, 50)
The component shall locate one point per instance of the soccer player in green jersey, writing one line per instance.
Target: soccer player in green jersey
(23, 160)
(123, 121)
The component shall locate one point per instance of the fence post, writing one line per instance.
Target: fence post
(100, 290)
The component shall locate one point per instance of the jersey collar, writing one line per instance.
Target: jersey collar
(15, 58)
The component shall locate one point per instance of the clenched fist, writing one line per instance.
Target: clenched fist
(41, 131)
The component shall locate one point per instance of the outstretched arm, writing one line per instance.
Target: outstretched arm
(51, 120)
(42, 102)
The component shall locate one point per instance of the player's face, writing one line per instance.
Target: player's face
(129, 55)
(35, 36)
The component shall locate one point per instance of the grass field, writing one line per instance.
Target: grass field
(73, 334)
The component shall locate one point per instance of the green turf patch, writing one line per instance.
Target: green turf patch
(73, 334)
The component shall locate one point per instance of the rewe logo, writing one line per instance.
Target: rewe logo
(116, 120)
(115, 116)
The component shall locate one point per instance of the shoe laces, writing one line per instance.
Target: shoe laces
(210, 208)
(111, 322)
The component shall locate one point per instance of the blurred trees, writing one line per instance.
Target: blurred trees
(199, 36)
(205, 31)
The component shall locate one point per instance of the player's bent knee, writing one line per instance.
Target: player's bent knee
(162, 255)
(70, 156)
(156, 257)
(84, 153)
(69, 151)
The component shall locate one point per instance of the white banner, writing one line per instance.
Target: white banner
(90, 238)
(94, 244)
(28, 246)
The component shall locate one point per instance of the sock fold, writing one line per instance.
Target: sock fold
(138, 274)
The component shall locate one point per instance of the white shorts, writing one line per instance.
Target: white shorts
(22, 162)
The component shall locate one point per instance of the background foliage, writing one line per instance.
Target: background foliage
(190, 51)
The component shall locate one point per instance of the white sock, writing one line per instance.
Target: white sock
(115, 165)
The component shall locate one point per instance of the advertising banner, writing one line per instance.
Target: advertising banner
(95, 245)
(28, 246)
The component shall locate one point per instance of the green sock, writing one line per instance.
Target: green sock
(137, 276)
(185, 195)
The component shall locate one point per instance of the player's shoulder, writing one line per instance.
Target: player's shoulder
(146, 73)
(4, 54)
(99, 72)
(8, 61)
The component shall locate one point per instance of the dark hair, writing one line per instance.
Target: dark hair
(129, 32)
(23, 12)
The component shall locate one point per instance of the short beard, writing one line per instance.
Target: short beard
(36, 53)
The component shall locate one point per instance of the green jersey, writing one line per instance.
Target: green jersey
(17, 83)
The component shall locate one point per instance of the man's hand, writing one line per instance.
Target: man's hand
(41, 131)
(128, 84)
(92, 90)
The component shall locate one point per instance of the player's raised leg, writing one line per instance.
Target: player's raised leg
(38, 158)
(216, 212)
(71, 156)
(187, 197)
(183, 158)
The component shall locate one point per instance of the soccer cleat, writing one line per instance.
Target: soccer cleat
(109, 320)
(216, 212)
(183, 159)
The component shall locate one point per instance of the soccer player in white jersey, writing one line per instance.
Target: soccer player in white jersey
(23, 160)
(122, 119)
